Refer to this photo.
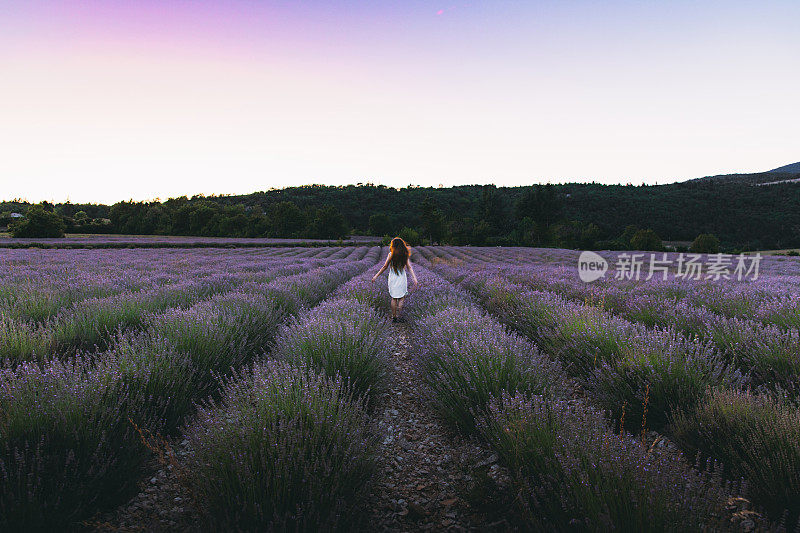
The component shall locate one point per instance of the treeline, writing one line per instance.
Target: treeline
(743, 215)
(179, 216)
(210, 218)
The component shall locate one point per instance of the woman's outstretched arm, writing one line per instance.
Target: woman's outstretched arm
(386, 264)
(413, 274)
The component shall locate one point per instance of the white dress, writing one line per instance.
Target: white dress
(398, 283)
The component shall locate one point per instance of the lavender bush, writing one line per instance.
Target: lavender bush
(88, 319)
(340, 337)
(656, 373)
(223, 333)
(625, 365)
(38, 299)
(756, 437)
(374, 294)
(572, 473)
(67, 447)
(581, 337)
(782, 311)
(771, 354)
(466, 358)
(309, 288)
(92, 323)
(285, 449)
(584, 339)
(155, 369)
(434, 295)
(22, 341)
(535, 314)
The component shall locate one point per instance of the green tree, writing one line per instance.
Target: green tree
(705, 243)
(181, 213)
(590, 234)
(646, 239)
(5, 218)
(258, 225)
(433, 222)
(541, 203)
(460, 231)
(156, 220)
(329, 224)
(480, 233)
(410, 236)
(627, 235)
(528, 233)
(380, 225)
(493, 211)
(286, 219)
(201, 217)
(233, 222)
(38, 222)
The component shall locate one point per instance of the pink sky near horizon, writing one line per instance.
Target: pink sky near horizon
(103, 101)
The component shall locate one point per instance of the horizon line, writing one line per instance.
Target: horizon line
(159, 199)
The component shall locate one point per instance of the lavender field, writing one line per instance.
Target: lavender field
(169, 241)
(265, 389)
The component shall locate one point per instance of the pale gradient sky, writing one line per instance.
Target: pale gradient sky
(109, 100)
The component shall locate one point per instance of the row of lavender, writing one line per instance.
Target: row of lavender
(36, 284)
(763, 343)
(100, 240)
(753, 326)
(780, 268)
(570, 470)
(58, 306)
(292, 445)
(71, 431)
(771, 298)
(686, 387)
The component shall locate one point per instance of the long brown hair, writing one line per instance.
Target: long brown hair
(400, 254)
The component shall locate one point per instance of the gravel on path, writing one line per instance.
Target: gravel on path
(426, 481)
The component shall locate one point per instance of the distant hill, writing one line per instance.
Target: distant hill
(786, 173)
(758, 178)
(794, 168)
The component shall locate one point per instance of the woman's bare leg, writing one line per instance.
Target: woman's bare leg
(394, 307)
(400, 305)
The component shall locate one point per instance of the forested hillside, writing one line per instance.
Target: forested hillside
(744, 211)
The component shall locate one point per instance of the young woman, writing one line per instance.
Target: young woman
(398, 262)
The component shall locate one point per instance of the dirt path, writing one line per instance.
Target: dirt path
(428, 471)
(162, 505)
